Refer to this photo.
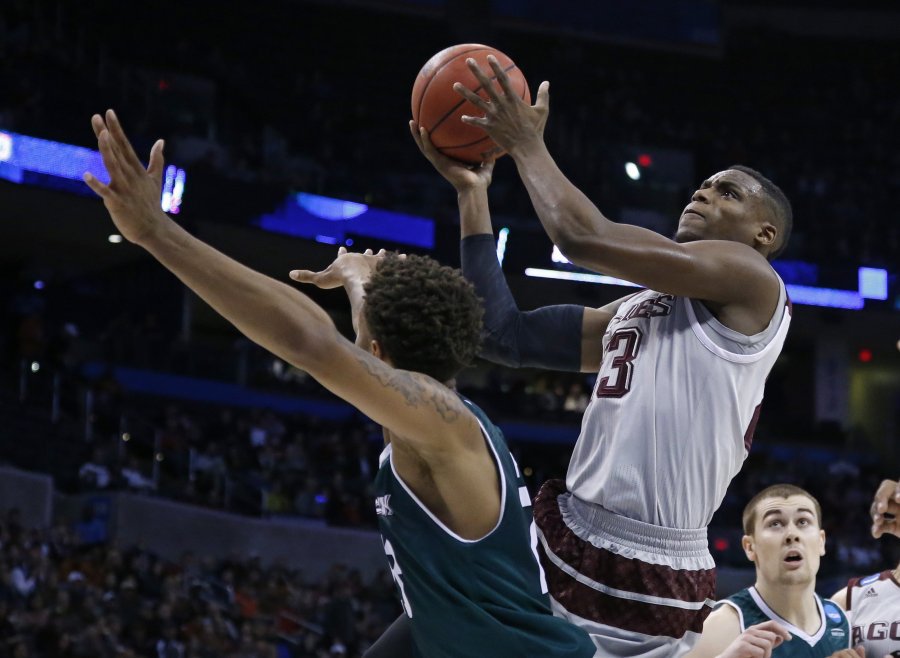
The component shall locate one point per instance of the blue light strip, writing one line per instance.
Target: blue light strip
(21, 157)
(873, 283)
(332, 221)
(41, 156)
(578, 276)
(830, 297)
(807, 295)
(502, 237)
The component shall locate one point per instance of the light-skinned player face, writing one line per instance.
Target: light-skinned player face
(786, 543)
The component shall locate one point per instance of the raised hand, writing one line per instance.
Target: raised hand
(133, 193)
(511, 122)
(757, 641)
(459, 174)
(885, 509)
(348, 268)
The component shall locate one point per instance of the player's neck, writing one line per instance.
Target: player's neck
(793, 603)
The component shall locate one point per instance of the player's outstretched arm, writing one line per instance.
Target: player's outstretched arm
(560, 337)
(715, 271)
(272, 314)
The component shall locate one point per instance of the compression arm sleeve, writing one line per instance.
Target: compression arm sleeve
(548, 337)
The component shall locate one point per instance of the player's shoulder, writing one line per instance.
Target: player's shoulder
(866, 581)
(834, 613)
(720, 629)
(726, 613)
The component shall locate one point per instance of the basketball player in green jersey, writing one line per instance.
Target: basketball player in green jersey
(780, 615)
(453, 510)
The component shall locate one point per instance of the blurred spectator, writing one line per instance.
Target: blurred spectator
(95, 474)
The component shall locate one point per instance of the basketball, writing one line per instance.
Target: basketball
(437, 108)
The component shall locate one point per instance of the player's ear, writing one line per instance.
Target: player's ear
(822, 538)
(749, 547)
(767, 234)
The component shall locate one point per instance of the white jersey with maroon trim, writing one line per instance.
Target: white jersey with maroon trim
(673, 411)
(873, 605)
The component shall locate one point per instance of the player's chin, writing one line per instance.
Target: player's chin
(687, 234)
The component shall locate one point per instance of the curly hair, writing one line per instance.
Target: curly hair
(425, 316)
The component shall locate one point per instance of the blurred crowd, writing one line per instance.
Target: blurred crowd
(283, 102)
(297, 109)
(66, 597)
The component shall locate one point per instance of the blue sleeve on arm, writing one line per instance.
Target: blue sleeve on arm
(548, 337)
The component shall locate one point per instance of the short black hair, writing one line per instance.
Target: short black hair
(781, 208)
(424, 315)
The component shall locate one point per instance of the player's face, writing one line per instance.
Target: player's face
(729, 205)
(787, 542)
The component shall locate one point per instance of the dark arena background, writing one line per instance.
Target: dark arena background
(168, 488)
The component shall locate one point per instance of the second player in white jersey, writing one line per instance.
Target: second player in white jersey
(873, 605)
(705, 384)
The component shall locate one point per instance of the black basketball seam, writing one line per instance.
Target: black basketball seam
(422, 99)
(457, 106)
(459, 146)
(462, 146)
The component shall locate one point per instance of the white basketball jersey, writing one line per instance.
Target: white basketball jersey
(673, 411)
(873, 605)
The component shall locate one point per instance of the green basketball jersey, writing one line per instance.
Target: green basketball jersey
(833, 635)
(485, 597)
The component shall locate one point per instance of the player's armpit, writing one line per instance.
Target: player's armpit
(420, 411)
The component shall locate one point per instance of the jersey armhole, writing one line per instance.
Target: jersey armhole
(853, 582)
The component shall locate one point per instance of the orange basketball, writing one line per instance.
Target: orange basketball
(438, 108)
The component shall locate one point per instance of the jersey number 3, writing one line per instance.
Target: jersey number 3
(614, 379)
(397, 573)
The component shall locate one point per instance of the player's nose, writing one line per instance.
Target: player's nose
(700, 195)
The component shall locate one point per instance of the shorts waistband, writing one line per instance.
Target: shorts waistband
(672, 542)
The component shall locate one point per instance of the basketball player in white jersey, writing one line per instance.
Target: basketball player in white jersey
(682, 366)
(873, 602)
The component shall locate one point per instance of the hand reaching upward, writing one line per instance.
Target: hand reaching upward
(460, 175)
(133, 193)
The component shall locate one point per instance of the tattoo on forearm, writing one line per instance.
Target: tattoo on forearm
(415, 389)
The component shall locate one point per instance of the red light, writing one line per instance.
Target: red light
(720, 544)
(644, 160)
(865, 355)
(163, 84)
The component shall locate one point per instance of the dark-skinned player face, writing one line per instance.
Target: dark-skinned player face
(729, 205)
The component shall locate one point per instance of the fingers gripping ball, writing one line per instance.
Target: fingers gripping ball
(437, 108)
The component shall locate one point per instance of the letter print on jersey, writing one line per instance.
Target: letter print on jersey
(397, 573)
(525, 499)
(615, 376)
